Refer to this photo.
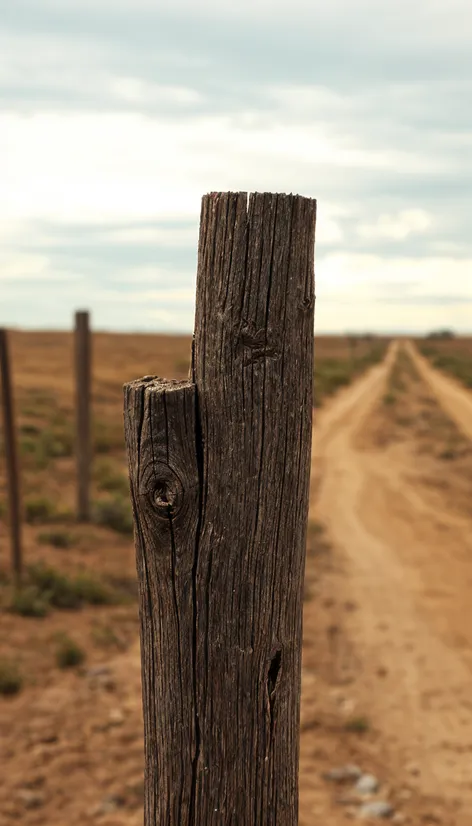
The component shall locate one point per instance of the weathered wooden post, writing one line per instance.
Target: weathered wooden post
(219, 470)
(11, 459)
(82, 402)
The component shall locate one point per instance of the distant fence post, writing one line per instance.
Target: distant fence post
(11, 458)
(82, 403)
(219, 469)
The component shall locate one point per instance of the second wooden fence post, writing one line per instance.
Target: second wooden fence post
(11, 458)
(82, 403)
(219, 471)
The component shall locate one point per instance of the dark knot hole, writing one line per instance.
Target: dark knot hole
(165, 498)
(273, 672)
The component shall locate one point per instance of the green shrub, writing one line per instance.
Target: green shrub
(28, 446)
(58, 539)
(39, 510)
(11, 681)
(30, 429)
(448, 454)
(357, 725)
(427, 351)
(69, 654)
(315, 529)
(56, 588)
(46, 588)
(43, 445)
(56, 443)
(317, 542)
(389, 399)
(92, 591)
(105, 636)
(28, 601)
(115, 514)
(330, 375)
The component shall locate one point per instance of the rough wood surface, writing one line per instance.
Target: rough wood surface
(221, 545)
(11, 458)
(82, 403)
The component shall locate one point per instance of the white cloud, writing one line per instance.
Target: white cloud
(145, 297)
(346, 274)
(356, 292)
(397, 227)
(142, 93)
(164, 236)
(176, 320)
(20, 266)
(156, 275)
(91, 166)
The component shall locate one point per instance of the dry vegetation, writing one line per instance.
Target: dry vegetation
(410, 419)
(339, 360)
(452, 355)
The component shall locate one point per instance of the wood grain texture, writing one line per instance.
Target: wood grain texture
(161, 442)
(83, 377)
(11, 458)
(222, 663)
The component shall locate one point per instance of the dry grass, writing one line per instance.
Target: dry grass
(453, 356)
(409, 417)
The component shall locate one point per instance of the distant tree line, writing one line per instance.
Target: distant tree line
(441, 334)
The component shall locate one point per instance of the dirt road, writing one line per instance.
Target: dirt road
(406, 564)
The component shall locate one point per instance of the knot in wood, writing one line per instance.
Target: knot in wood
(255, 346)
(167, 493)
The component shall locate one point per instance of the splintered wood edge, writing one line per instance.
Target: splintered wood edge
(159, 384)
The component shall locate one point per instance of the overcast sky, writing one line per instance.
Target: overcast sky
(116, 116)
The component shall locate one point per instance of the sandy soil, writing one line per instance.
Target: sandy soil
(405, 564)
(387, 634)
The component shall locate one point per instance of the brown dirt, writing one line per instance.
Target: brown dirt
(403, 559)
(387, 641)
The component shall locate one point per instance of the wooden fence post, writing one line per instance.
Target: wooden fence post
(11, 458)
(83, 443)
(219, 469)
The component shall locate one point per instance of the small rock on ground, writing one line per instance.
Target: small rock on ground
(377, 808)
(108, 805)
(30, 799)
(98, 671)
(116, 717)
(343, 774)
(367, 784)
